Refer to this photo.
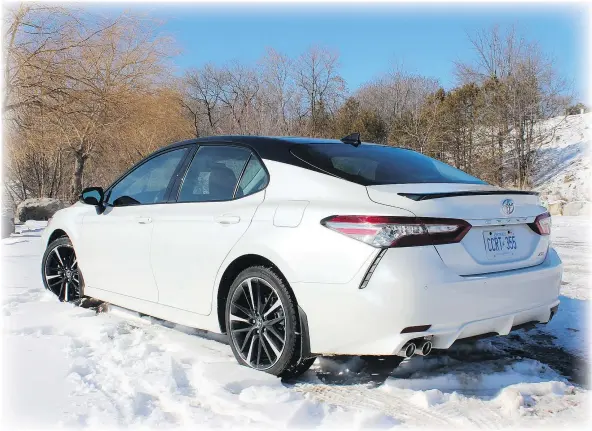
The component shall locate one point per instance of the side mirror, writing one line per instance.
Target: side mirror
(93, 196)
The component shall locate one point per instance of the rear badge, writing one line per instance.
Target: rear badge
(507, 206)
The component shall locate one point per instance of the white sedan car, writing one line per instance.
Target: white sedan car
(299, 247)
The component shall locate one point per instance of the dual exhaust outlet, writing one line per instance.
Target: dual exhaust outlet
(422, 348)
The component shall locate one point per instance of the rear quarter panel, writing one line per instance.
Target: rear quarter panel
(304, 250)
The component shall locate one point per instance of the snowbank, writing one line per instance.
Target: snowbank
(563, 169)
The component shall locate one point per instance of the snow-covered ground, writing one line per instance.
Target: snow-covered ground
(69, 367)
(563, 168)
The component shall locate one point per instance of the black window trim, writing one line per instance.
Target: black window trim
(173, 179)
(180, 177)
(174, 196)
(240, 177)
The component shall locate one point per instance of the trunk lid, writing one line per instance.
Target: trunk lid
(499, 239)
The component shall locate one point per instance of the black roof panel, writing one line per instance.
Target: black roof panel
(276, 148)
(257, 141)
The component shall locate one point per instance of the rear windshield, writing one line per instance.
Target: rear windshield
(377, 164)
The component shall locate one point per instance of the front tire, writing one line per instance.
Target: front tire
(60, 272)
(262, 321)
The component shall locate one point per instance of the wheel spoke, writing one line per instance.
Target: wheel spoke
(252, 305)
(66, 292)
(258, 308)
(244, 310)
(74, 263)
(247, 339)
(58, 255)
(238, 319)
(272, 322)
(273, 307)
(55, 283)
(266, 352)
(267, 301)
(250, 349)
(51, 277)
(278, 336)
(248, 328)
(258, 351)
(61, 290)
(273, 346)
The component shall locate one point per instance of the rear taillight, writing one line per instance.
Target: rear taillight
(542, 224)
(386, 231)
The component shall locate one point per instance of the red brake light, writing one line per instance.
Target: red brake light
(386, 231)
(542, 224)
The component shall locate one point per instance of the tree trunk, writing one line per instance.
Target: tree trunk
(79, 162)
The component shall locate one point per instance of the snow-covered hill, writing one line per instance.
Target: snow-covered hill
(563, 169)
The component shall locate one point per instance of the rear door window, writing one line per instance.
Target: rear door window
(377, 164)
(213, 174)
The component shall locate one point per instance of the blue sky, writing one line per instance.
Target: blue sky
(424, 39)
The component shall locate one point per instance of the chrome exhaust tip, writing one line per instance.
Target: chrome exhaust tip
(407, 351)
(425, 349)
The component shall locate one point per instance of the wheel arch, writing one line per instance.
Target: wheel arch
(57, 233)
(232, 270)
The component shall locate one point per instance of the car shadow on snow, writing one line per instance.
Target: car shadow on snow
(555, 350)
(524, 355)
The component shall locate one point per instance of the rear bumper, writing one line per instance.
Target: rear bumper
(413, 287)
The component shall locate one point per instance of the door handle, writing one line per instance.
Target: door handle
(144, 220)
(228, 219)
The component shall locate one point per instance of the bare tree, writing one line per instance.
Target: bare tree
(202, 98)
(278, 93)
(72, 70)
(316, 75)
(399, 94)
(239, 92)
(124, 58)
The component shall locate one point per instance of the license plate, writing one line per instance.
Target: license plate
(500, 243)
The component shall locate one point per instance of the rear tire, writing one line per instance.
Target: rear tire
(60, 273)
(262, 321)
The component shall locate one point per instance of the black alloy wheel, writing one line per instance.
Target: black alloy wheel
(60, 271)
(262, 322)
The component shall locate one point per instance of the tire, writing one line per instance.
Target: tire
(261, 311)
(60, 273)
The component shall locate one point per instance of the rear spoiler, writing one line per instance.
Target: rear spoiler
(426, 196)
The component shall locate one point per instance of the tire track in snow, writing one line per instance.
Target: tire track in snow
(137, 378)
(361, 397)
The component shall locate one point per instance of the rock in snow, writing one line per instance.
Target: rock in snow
(38, 209)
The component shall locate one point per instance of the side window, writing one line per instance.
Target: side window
(213, 174)
(148, 183)
(254, 178)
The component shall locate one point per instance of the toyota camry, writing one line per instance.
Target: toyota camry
(298, 247)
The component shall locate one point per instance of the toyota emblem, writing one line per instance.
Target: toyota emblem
(507, 206)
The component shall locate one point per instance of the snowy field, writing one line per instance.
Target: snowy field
(69, 367)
